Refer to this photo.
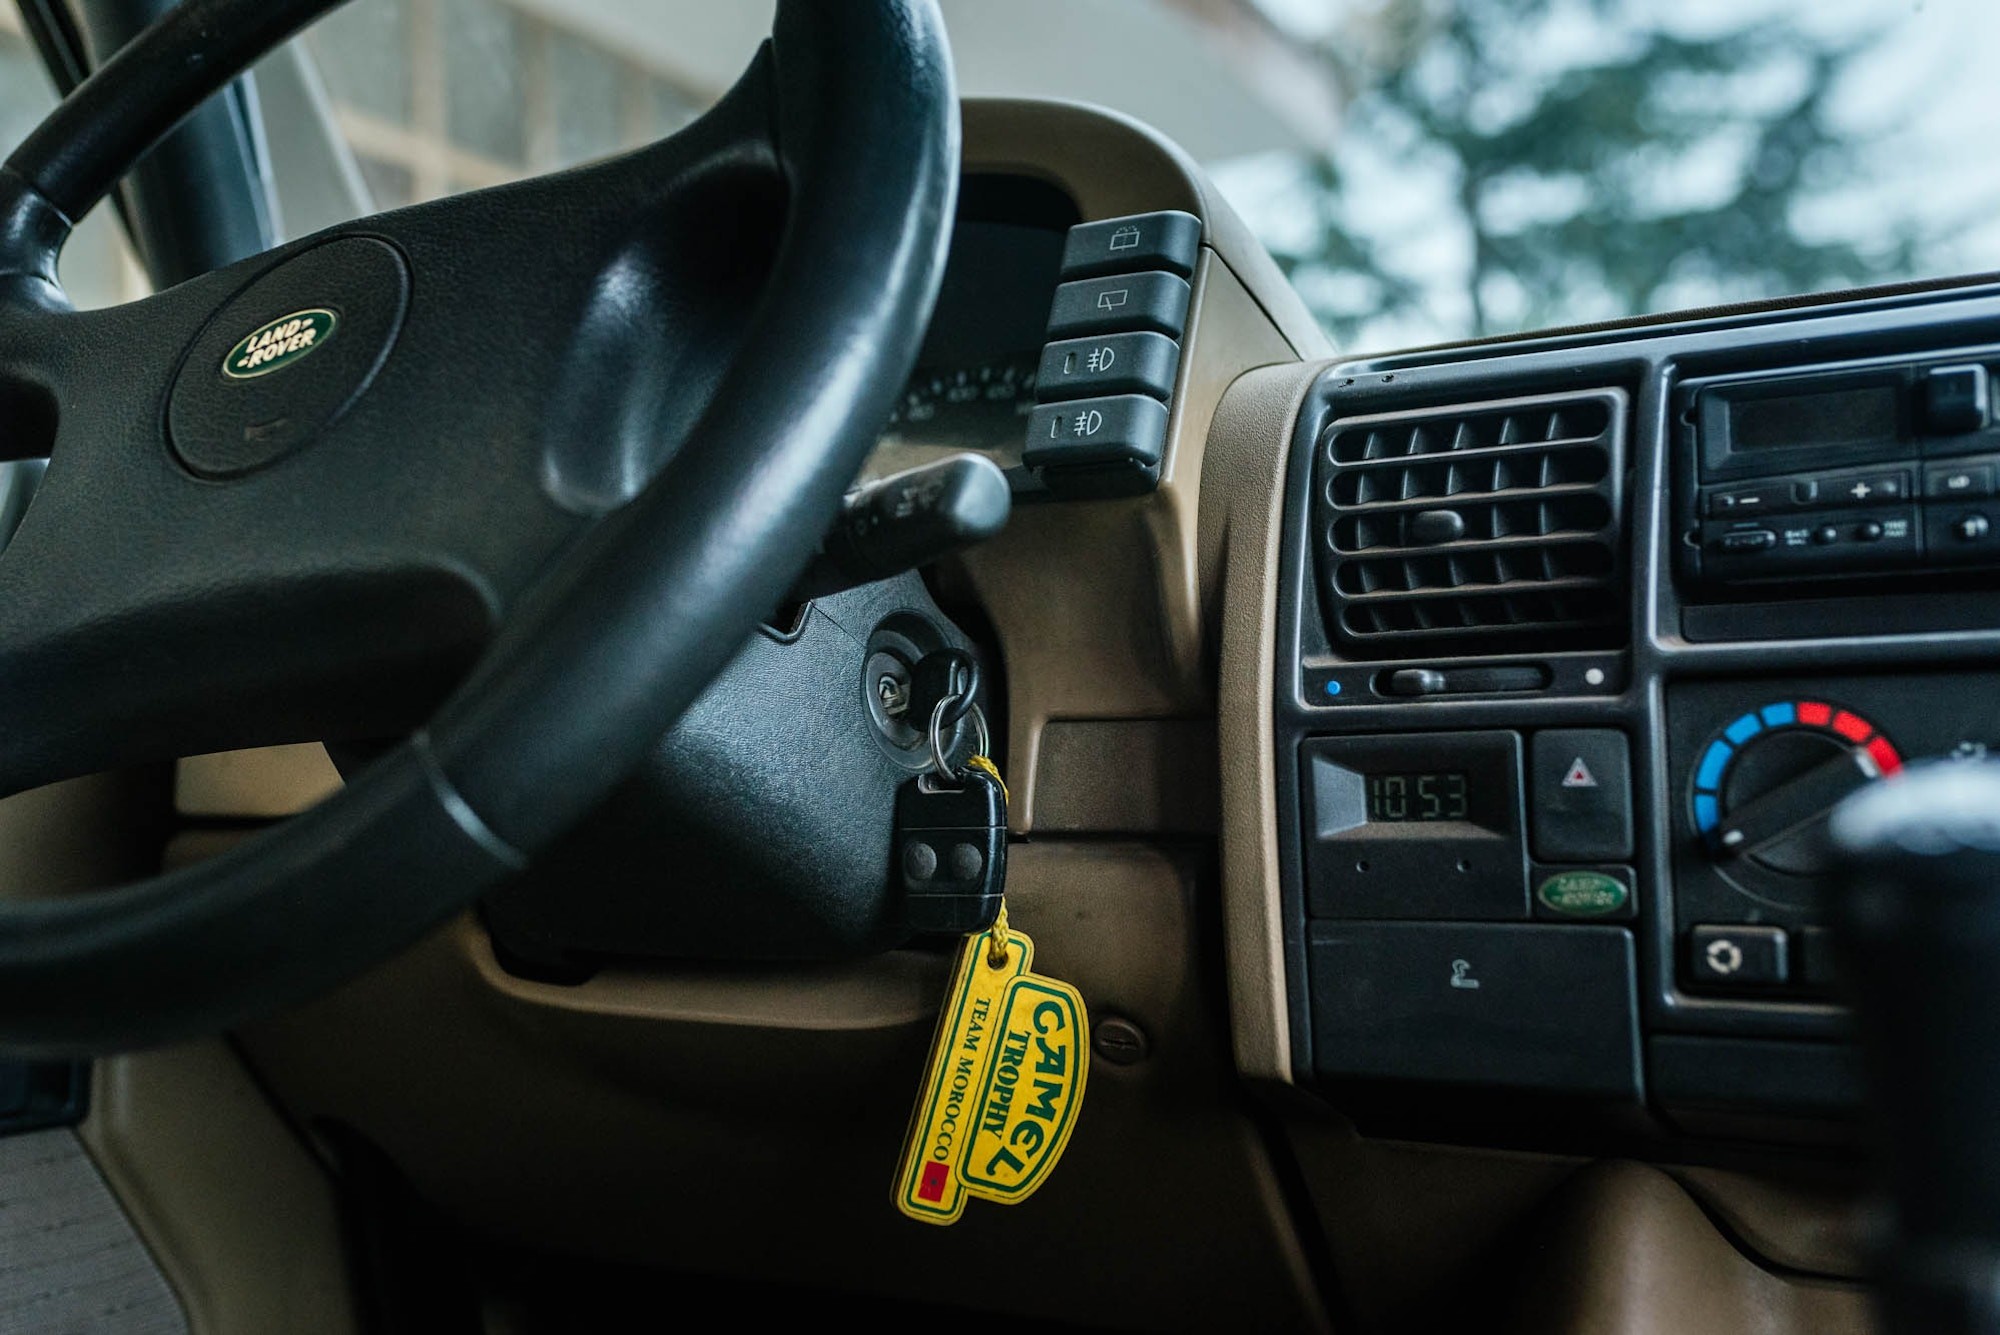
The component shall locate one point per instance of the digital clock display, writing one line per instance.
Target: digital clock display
(1438, 795)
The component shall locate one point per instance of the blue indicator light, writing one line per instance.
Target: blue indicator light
(1780, 716)
(1707, 813)
(1713, 762)
(1332, 686)
(1743, 729)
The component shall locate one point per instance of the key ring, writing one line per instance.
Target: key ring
(939, 723)
(962, 684)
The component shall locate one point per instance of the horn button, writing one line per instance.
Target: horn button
(287, 356)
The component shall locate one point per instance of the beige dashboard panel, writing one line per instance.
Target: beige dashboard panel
(239, 1216)
(1621, 1247)
(1133, 640)
(80, 834)
(747, 1121)
(1241, 524)
(261, 784)
(1425, 1238)
(1817, 1227)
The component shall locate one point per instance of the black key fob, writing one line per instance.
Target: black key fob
(951, 851)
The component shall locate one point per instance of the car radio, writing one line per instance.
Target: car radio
(1869, 468)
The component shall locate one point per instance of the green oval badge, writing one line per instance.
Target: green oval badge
(1583, 894)
(287, 339)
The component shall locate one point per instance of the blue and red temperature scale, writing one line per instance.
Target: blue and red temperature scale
(1843, 725)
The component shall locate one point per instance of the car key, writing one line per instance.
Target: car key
(1004, 1083)
(951, 850)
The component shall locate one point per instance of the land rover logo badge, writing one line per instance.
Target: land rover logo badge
(285, 340)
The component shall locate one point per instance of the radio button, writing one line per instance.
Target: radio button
(1955, 399)
(1874, 489)
(1967, 480)
(1962, 534)
(1860, 539)
(1744, 501)
(1805, 490)
(1738, 541)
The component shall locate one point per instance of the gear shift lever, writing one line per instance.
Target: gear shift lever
(1918, 922)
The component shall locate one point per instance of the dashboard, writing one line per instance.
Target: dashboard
(1382, 746)
(1579, 641)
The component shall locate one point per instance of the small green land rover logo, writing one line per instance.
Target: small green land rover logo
(285, 340)
(1583, 894)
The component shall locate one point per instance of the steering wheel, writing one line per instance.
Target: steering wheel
(546, 452)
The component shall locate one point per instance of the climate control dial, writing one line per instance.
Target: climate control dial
(1765, 783)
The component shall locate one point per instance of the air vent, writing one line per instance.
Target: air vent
(1495, 524)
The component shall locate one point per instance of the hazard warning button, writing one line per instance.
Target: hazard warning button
(1581, 795)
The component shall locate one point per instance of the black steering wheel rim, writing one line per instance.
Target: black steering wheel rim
(614, 639)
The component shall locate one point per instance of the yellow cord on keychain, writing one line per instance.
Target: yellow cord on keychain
(985, 765)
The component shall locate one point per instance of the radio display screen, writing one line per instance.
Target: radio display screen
(1837, 417)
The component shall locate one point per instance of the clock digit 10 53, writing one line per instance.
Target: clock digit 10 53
(1422, 796)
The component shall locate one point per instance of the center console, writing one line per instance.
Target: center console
(1580, 641)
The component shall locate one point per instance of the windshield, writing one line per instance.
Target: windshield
(1424, 170)
(1509, 164)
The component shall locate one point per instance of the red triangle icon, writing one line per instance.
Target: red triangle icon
(1579, 775)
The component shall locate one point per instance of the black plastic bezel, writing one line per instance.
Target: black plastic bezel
(1648, 362)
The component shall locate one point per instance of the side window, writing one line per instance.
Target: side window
(98, 267)
(438, 96)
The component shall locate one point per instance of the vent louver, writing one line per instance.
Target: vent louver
(1496, 524)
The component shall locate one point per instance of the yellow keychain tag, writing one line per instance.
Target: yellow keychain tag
(1004, 1085)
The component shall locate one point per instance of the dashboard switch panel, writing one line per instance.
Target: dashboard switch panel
(1546, 1009)
(1107, 372)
